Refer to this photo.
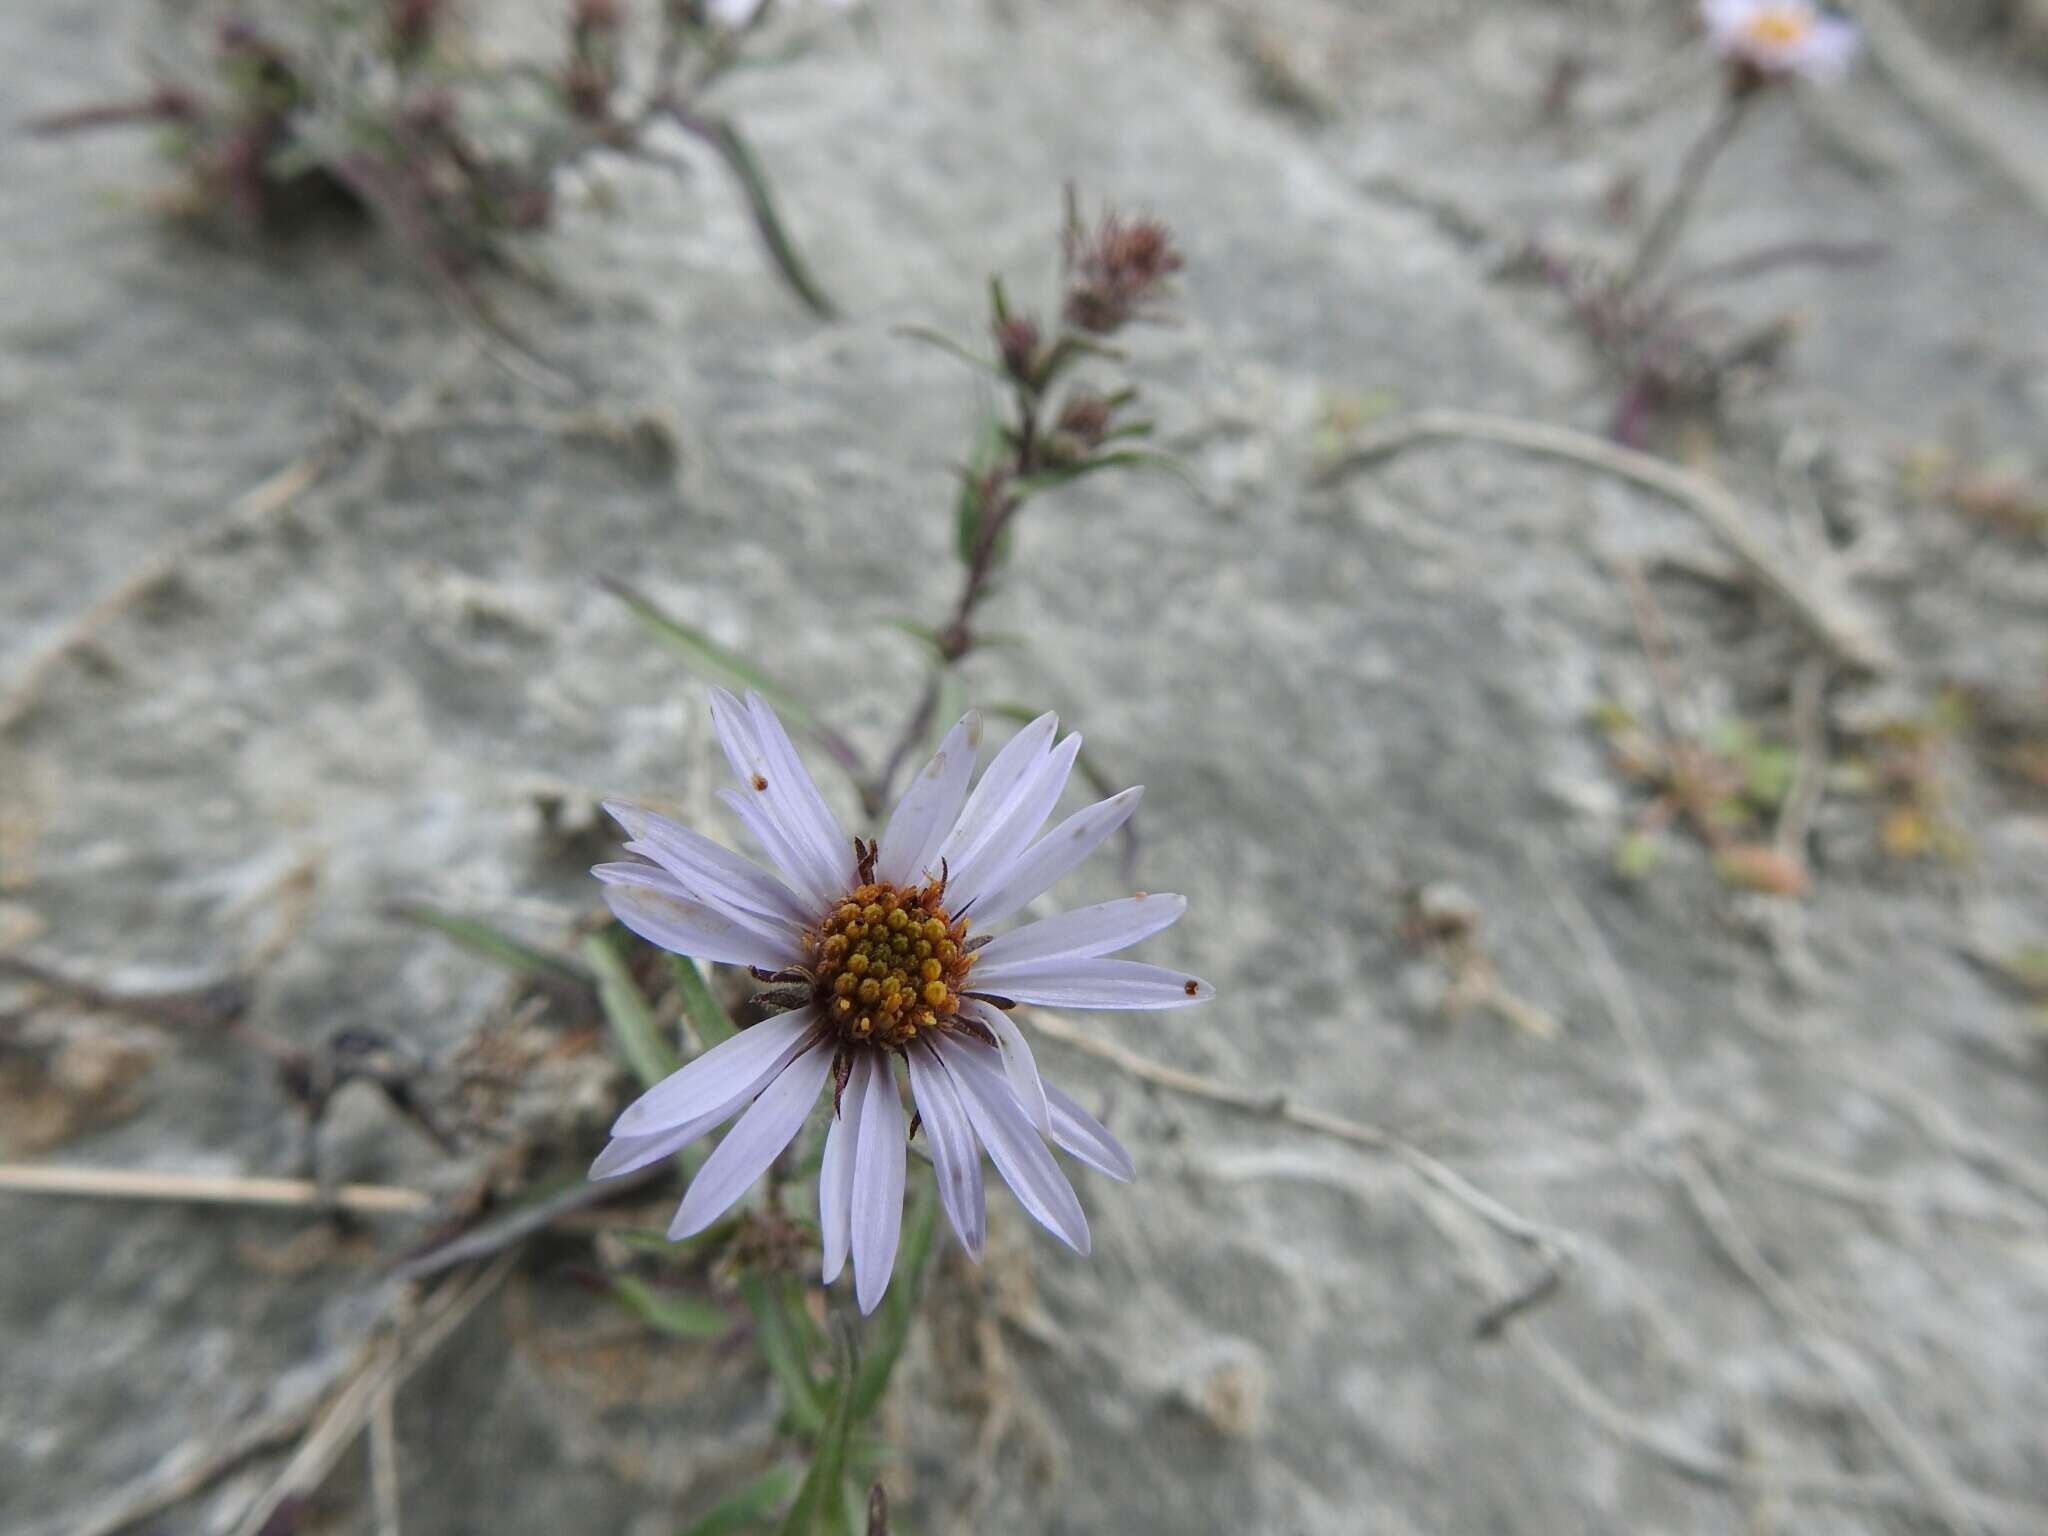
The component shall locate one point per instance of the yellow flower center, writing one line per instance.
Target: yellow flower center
(890, 961)
(1781, 26)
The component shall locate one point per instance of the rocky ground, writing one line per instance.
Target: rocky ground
(1789, 1154)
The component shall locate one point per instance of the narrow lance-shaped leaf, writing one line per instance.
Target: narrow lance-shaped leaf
(494, 944)
(785, 1350)
(819, 1508)
(706, 656)
(853, 1506)
(1123, 458)
(752, 1504)
(680, 1317)
(714, 663)
(656, 1243)
(746, 168)
(952, 704)
(650, 1057)
(917, 631)
(970, 508)
(952, 348)
(710, 1022)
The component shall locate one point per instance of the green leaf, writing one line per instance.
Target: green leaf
(710, 1022)
(640, 1043)
(917, 631)
(952, 348)
(818, 1505)
(899, 1305)
(1638, 854)
(1071, 348)
(998, 300)
(968, 508)
(1123, 458)
(746, 168)
(495, 945)
(753, 1503)
(785, 1347)
(1768, 772)
(660, 1245)
(680, 1317)
(707, 658)
(951, 705)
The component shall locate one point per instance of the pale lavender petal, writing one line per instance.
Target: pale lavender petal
(1087, 932)
(1065, 846)
(877, 1186)
(711, 870)
(782, 853)
(1019, 1066)
(1013, 1145)
(1831, 49)
(723, 1075)
(812, 850)
(835, 1177)
(1017, 757)
(1019, 818)
(779, 931)
(1081, 1134)
(648, 901)
(810, 818)
(1726, 17)
(628, 1154)
(928, 809)
(1073, 1128)
(754, 1142)
(1063, 983)
(956, 1155)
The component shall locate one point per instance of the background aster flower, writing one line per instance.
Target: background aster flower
(871, 943)
(1781, 37)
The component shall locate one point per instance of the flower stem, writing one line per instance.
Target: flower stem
(956, 635)
(1670, 221)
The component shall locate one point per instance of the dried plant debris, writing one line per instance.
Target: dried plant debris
(284, 118)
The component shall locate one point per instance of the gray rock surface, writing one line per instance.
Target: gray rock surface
(1328, 693)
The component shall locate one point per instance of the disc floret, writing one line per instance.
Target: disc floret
(891, 963)
(1779, 27)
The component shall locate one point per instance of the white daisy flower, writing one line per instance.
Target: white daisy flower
(871, 942)
(1781, 37)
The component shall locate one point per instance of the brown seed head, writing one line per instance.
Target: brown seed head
(1115, 270)
(1085, 418)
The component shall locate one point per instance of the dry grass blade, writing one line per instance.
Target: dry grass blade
(1847, 637)
(138, 1184)
(386, 1364)
(1552, 1244)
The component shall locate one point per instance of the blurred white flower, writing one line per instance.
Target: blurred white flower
(1781, 37)
(734, 14)
(871, 941)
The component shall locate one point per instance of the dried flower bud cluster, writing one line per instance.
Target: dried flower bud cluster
(1115, 271)
(364, 110)
(1019, 344)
